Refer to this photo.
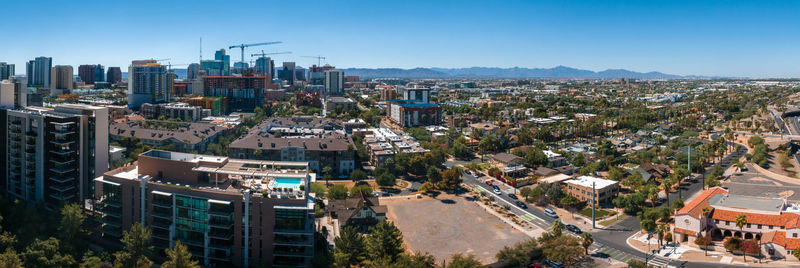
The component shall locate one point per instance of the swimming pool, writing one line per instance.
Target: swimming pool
(287, 182)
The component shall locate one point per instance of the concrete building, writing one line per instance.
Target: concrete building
(581, 188)
(383, 144)
(228, 212)
(52, 155)
(38, 72)
(213, 67)
(334, 83)
(14, 92)
(61, 79)
(244, 93)
(6, 71)
(322, 142)
(339, 105)
(148, 82)
(416, 94)
(774, 222)
(114, 75)
(178, 110)
(288, 73)
(193, 71)
(265, 65)
(316, 74)
(225, 59)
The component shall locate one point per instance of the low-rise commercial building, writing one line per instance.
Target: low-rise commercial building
(178, 110)
(228, 212)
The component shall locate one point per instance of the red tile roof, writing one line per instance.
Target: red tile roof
(786, 219)
(685, 231)
(781, 239)
(695, 207)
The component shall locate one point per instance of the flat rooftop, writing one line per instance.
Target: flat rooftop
(747, 202)
(586, 181)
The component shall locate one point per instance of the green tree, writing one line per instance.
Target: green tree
(358, 175)
(461, 261)
(89, 260)
(386, 180)
(570, 203)
(716, 172)
(557, 228)
(337, 191)
(586, 241)
(520, 254)
(451, 179)
(137, 249)
(578, 160)
(741, 221)
(10, 259)
(563, 248)
(616, 174)
(46, 253)
(71, 230)
(384, 241)
(349, 250)
(434, 176)
(703, 242)
(327, 173)
(361, 188)
(179, 257)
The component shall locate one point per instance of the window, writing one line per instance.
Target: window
(748, 225)
(727, 223)
(716, 221)
(770, 227)
(794, 235)
(759, 226)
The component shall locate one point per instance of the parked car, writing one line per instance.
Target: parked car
(513, 196)
(489, 183)
(497, 191)
(573, 228)
(521, 204)
(551, 213)
(554, 264)
(468, 172)
(496, 187)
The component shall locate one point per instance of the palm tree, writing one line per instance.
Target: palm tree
(653, 196)
(666, 185)
(741, 220)
(662, 228)
(586, 241)
(557, 228)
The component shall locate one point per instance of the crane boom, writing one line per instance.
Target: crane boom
(319, 59)
(242, 46)
(262, 54)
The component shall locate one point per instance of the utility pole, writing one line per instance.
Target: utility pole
(593, 194)
(689, 167)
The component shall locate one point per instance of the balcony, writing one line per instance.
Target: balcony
(162, 214)
(61, 142)
(220, 213)
(62, 188)
(111, 211)
(225, 235)
(62, 179)
(293, 251)
(62, 197)
(59, 161)
(293, 240)
(111, 230)
(62, 169)
(111, 203)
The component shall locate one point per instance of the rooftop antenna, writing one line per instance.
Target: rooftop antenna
(201, 49)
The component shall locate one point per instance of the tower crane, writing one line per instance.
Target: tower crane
(242, 46)
(319, 58)
(262, 54)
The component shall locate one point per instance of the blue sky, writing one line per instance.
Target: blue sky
(726, 38)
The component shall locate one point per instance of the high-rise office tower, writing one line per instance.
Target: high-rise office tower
(288, 73)
(38, 71)
(213, 67)
(241, 67)
(90, 74)
(334, 82)
(114, 75)
(14, 92)
(148, 82)
(53, 155)
(265, 65)
(193, 71)
(61, 80)
(316, 74)
(6, 70)
(226, 61)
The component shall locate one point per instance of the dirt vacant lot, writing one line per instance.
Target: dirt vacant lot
(451, 224)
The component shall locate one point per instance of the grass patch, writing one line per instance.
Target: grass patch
(318, 189)
(598, 213)
(402, 184)
(613, 220)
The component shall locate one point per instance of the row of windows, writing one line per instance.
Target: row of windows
(749, 225)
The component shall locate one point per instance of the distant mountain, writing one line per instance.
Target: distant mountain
(494, 72)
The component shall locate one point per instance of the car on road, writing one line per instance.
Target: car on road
(573, 228)
(521, 204)
(497, 191)
(513, 196)
(468, 172)
(489, 183)
(554, 264)
(551, 213)
(496, 187)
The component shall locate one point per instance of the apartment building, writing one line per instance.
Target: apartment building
(243, 93)
(182, 136)
(581, 188)
(322, 142)
(177, 110)
(229, 212)
(52, 155)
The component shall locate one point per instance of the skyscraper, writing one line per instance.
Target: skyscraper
(14, 92)
(193, 71)
(6, 70)
(61, 79)
(90, 74)
(265, 65)
(213, 67)
(334, 82)
(148, 82)
(54, 154)
(288, 72)
(226, 61)
(316, 74)
(38, 71)
(114, 75)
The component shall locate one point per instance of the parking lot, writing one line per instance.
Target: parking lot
(451, 224)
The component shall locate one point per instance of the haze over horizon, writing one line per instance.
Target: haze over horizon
(710, 38)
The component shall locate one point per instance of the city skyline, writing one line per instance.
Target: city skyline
(731, 39)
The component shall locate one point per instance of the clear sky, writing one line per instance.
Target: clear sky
(725, 38)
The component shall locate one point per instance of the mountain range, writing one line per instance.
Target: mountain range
(492, 72)
(515, 72)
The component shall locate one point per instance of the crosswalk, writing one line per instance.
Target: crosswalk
(616, 254)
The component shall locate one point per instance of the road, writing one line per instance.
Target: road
(613, 239)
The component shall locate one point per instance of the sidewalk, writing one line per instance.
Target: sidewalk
(686, 252)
